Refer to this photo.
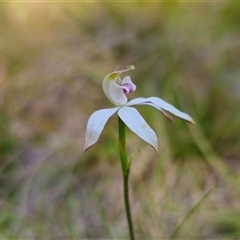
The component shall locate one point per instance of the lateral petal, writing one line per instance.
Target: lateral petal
(161, 110)
(136, 101)
(143, 101)
(95, 125)
(135, 122)
(169, 108)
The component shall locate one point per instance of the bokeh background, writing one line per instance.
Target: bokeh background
(53, 57)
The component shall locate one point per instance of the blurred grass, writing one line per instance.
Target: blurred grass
(53, 59)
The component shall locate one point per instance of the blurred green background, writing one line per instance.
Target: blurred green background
(52, 62)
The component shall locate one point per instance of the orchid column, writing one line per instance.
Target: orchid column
(116, 90)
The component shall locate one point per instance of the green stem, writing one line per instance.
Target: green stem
(127, 206)
(125, 170)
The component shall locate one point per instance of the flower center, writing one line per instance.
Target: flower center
(128, 88)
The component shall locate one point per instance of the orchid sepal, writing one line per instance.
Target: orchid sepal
(96, 124)
(135, 122)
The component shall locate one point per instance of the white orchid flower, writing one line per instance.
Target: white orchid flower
(116, 91)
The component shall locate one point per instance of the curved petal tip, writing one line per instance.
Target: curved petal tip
(123, 68)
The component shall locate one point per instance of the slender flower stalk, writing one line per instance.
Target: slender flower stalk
(125, 170)
(116, 90)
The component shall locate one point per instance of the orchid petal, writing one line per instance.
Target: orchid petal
(96, 124)
(136, 101)
(113, 77)
(128, 80)
(135, 122)
(161, 110)
(169, 108)
(162, 106)
(117, 97)
(128, 85)
(142, 101)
